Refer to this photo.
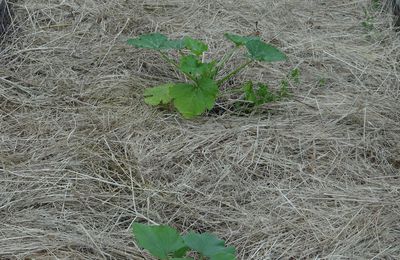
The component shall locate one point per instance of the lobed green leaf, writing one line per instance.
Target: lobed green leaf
(160, 241)
(193, 100)
(158, 95)
(240, 40)
(262, 51)
(195, 46)
(191, 65)
(208, 245)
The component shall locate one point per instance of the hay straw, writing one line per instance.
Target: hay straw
(82, 157)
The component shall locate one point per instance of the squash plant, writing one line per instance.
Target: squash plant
(199, 94)
(165, 243)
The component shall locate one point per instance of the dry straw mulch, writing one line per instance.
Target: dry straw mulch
(81, 156)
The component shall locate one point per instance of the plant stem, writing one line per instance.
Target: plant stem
(233, 73)
(173, 63)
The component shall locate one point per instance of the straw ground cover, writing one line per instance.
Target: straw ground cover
(82, 156)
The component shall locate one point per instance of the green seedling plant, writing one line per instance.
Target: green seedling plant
(321, 82)
(165, 243)
(199, 93)
(376, 4)
(259, 94)
(369, 21)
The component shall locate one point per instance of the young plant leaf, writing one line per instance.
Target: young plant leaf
(155, 41)
(195, 46)
(265, 95)
(158, 95)
(262, 91)
(249, 92)
(240, 40)
(193, 100)
(295, 75)
(283, 92)
(207, 244)
(191, 65)
(260, 95)
(160, 241)
(262, 51)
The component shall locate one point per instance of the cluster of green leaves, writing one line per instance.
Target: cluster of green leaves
(199, 94)
(376, 4)
(166, 243)
(369, 21)
(258, 94)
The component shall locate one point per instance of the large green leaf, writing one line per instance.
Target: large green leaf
(158, 95)
(207, 244)
(155, 41)
(160, 241)
(240, 40)
(191, 65)
(262, 51)
(173, 44)
(195, 46)
(193, 100)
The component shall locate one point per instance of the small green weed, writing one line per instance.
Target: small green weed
(376, 4)
(295, 75)
(200, 93)
(321, 82)
(369, 21)
(260, 94)
(166, 243)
